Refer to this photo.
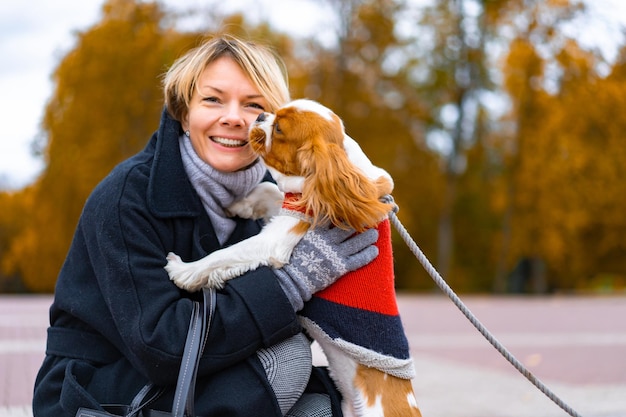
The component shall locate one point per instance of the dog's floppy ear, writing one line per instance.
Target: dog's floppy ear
(335, 190)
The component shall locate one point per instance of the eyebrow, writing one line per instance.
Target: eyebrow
(220, 91)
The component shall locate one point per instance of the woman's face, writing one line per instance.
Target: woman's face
(220, 113)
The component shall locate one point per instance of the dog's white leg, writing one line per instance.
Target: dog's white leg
(271, 247)
(287, 183)
(342, 369)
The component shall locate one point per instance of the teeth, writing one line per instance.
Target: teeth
(228, 142)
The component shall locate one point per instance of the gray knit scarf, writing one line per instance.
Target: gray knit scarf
(217, 189)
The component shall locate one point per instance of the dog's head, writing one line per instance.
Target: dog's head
(288, 139)
(305, 139)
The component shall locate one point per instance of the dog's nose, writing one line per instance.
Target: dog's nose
(261, 118)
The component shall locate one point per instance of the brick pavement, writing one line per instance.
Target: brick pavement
(23, 323)
(575, 345)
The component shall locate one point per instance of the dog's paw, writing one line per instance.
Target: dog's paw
(174, 266)
(263, 202)
(173, 258)
(188, 276)
(240, 208)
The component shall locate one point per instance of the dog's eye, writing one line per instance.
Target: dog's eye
(277, 128)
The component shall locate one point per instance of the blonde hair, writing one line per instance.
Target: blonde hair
(261, 64)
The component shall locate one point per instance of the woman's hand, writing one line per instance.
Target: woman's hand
(324, 254)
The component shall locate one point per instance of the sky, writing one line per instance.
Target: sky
(35, 34)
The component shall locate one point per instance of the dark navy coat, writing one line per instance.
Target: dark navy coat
(118, 322)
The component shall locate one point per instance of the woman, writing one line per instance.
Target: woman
(117, 321)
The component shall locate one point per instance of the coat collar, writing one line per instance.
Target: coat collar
(170, 194)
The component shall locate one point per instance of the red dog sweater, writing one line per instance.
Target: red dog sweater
(359, 312)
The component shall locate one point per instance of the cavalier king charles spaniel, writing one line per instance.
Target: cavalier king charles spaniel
(322, 175)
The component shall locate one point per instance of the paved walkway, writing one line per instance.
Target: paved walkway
(575, 345)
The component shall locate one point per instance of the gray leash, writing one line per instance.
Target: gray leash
(441, 283)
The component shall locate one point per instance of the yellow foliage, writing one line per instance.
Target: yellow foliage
(545, 180)
(105, 106)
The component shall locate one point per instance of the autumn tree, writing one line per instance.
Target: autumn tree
(106, 103)
(536, 71)
(363, 78)
(12, 221)
(504, 140)
(451, 74)
(569, 196)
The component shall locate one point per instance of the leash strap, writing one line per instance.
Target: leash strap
(441, 283)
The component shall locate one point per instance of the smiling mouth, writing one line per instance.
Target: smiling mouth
(229, 143)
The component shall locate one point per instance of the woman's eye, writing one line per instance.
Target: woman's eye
(256, 106)
(211, 99)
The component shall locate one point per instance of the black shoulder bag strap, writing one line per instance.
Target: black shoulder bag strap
(183, 405)
(199, 327)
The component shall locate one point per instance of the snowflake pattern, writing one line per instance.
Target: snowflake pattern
(311, 262)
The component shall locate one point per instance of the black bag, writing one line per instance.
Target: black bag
(183, 405)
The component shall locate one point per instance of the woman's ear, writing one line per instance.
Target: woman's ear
(184, 120)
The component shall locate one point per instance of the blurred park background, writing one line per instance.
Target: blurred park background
(505, 133)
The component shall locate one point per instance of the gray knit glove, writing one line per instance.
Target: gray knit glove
(322, 256)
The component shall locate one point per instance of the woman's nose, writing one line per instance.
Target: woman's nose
(233, 117)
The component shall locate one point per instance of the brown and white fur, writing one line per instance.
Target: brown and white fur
(307, 151)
